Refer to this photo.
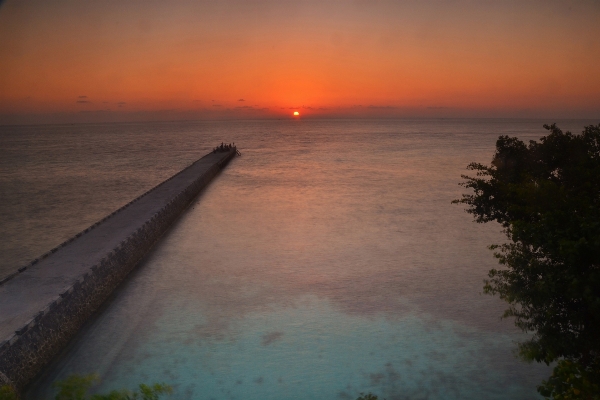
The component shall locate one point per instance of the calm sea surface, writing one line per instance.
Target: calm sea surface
(324, 262)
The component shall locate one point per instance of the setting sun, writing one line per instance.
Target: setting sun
(63, 63)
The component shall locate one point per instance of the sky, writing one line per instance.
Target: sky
(108, 60)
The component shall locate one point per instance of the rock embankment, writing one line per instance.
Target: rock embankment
(45, 303)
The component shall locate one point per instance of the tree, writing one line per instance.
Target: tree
(546, 196)
(76, 387)
(368, 396)
(8, 393)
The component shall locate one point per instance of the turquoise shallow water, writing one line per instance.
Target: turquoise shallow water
(324, 262)
(310, 350)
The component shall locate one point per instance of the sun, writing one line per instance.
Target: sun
(296, 114)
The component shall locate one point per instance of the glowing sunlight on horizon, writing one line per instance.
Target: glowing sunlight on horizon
(104, 61)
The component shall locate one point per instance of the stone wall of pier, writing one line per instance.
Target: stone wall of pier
(31, 347)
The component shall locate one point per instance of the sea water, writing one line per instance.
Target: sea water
(324, 262)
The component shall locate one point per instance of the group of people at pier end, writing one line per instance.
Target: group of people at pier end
(224, 147)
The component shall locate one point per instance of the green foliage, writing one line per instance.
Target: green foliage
(368, 396)
(144, 392)
(7, 393)
(546, 196)
(570, 380)
(76, 387)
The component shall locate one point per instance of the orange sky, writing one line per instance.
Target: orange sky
(123, 60)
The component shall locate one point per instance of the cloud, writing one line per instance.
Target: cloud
(437, 108)
(82, 97)
(83, 101)
(93, 112)
(250, 108)
(217, 105)
(241, 100)
(381, 107)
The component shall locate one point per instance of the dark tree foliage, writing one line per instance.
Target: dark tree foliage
(8, 393)
(546, 196)
(77, 387)
(368, 396)
(572, 380)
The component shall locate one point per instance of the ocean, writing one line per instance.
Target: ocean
(325, 261)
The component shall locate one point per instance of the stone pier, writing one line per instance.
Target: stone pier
(44, 304)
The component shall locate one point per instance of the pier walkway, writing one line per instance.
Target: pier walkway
(45, 304)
